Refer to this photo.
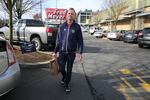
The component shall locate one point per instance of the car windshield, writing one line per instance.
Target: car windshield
(2, 46)
(129, 33)
(53, 25)
(114, 31)
(98, 30)
(146, 31)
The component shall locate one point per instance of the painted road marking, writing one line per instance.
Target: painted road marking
(144, 84)
(125, 71)
(122, 88)
(129, 85)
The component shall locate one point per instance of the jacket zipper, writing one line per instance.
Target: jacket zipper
(67, 40)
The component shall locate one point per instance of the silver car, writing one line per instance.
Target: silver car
(9, 68)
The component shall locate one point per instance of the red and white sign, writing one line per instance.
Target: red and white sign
(54, 13)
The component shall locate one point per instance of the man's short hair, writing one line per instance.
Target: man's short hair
(72, 9)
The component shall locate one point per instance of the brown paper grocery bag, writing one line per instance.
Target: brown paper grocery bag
(54, 66)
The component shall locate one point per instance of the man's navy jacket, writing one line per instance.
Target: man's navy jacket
(69, 39)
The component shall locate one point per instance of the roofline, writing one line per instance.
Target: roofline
(143, 14)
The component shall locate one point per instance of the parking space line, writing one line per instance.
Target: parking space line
(129, 85)
(125, 71)
(143, 84)
(144, 72)
(122, 88)
(138, 77)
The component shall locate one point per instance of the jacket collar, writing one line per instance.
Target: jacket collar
(71, 24)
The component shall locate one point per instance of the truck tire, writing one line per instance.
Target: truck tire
(38, 43)
(140, 45)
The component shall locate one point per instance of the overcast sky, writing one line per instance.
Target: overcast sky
(77, 4)
(93, 5)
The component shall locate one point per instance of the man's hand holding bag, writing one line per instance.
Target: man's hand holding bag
(54, 66)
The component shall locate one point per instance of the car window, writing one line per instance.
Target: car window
(53, 25)
(129, 32)
(20, 23)
(146, 31)
(34, 23)
(2, 46)
(115, 31)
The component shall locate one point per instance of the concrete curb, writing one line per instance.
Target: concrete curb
(44, 64)
(35, 65)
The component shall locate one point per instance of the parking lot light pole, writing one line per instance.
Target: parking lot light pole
(56, 3)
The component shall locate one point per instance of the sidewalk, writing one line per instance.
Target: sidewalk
(52, 89)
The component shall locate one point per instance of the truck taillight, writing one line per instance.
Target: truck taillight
(135, 35)
(140, 34)
(49, 31)
(11, 57)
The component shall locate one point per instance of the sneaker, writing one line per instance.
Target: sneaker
(62, 83)
(67, 89)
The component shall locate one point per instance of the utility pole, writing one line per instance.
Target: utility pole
(56, 3)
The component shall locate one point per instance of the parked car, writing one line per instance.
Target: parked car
(2, 35)
(98, 34)
(116, 35)
(131, 36)
(144, 38)
(52, 28)
(84, 29)
(4, 31)
(9, 68)
(91, 30)
(105, 32)
(32, 30)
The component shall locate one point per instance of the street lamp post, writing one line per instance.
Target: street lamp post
(56, 3)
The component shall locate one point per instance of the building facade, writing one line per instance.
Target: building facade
(135, 17)
(83, 17)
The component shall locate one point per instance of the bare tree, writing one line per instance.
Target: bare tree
(9, 4)
(115, 9)
(21, 7)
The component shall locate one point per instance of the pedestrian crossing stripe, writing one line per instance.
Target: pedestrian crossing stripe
(145, 86)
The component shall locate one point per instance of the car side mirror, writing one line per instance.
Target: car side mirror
(6, 25)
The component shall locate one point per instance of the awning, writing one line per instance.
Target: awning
(133, 12)
(143, 14)
(104, 21)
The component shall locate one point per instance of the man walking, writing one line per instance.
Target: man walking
(69, 44)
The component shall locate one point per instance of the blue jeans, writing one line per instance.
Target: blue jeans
(66, 58)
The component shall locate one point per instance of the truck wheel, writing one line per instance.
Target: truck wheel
(38, 43)
(120, 38)
(140, 45)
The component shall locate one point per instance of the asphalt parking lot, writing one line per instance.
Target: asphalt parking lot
(110, 70)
